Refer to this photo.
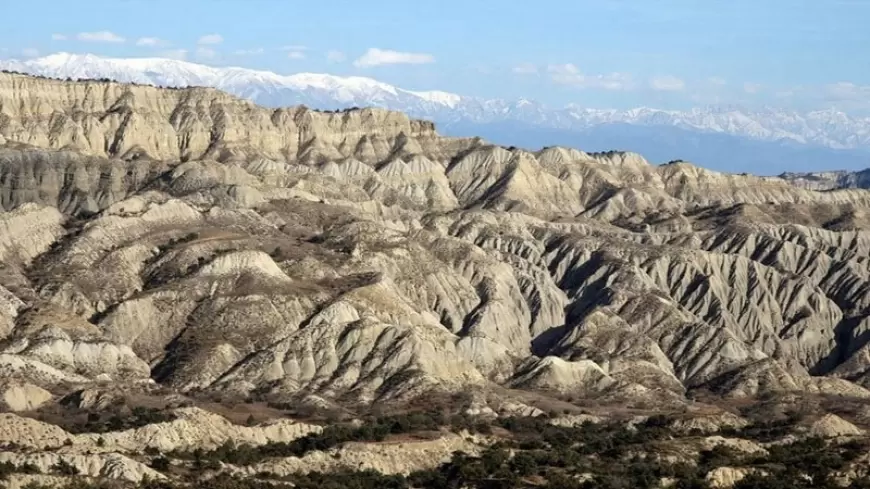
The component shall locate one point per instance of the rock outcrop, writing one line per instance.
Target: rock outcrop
(104, 466)
(833, 426)
(726, 477)
(23, 396)
(386, 458)
(192, 428)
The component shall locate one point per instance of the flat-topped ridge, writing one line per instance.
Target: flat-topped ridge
(106, 118)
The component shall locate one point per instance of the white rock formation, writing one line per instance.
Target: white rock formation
(360, 254)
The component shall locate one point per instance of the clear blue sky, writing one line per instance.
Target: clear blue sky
(599, 53)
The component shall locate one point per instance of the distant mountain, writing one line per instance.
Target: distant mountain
(263, 87)
(719, 151)
(724, 138)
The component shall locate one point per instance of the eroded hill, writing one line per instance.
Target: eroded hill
(191, 241)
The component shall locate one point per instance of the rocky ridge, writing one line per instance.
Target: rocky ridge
(197, 240)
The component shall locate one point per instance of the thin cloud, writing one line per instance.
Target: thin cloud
(525, 69)
(58, 37)
(378, 57)
(179, 54)
(848, 91)
(569, 74)
(151, 42)
(101, 36)
(206, 53)
(249, 52)
(210, 40)
(335, 56)
(667, 83)
(717, 80)
(752, 88)
(295, 51)
(30, 52)
(847, 96)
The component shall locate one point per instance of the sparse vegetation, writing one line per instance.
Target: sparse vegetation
(586, 457)
(374, 430)
(536, 453)
(116, 417)
(530, 453)
(8, 468)
(62, 467)
(96, 80)
(161, 464)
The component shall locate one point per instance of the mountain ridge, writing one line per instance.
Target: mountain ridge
(825, 128)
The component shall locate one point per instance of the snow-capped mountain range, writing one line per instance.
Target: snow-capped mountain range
(829, 129)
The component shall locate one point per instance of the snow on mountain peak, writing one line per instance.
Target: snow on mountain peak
(438, 97)
(829, 128)
(240, 81)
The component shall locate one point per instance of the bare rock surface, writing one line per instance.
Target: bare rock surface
(30, 433)
(104, 466)
(23, 396)
(21, 481)
(726, 477)
(193, 240)
(192, 246)
(832, 426)
(386, 458)
(709, 423)
(195, 428)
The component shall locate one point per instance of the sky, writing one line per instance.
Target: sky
(798, 54)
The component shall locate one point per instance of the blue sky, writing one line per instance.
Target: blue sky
(803, 54)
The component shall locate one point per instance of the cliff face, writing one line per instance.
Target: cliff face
(72, 182)
(117, 120)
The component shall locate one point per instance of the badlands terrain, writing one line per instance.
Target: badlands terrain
(194, 287)
(724, 137)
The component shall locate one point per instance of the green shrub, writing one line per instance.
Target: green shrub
(160, 464)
